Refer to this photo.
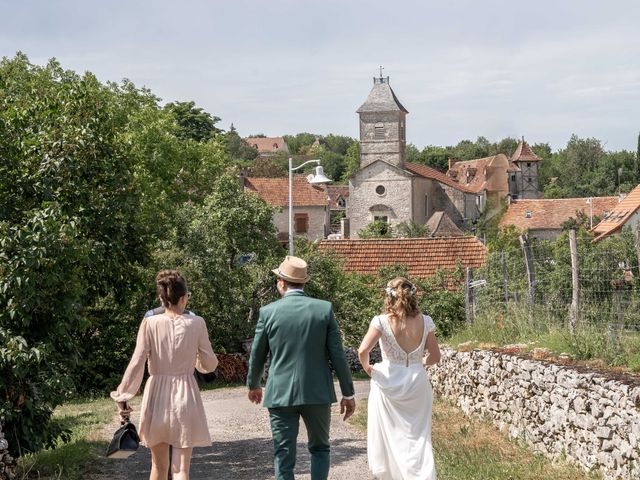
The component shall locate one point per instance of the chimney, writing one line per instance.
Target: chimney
(344, 227)
(452, 162)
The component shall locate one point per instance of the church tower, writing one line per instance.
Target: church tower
(382, 126)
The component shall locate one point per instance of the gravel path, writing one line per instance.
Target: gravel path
(242, 447)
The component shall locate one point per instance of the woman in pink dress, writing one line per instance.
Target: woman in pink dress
(171, 414)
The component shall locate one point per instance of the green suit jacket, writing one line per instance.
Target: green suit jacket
(302, 335)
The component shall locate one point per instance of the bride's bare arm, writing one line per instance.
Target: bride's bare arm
(368, 342)
(433, 350)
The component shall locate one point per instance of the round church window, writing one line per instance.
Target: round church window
(380, 190)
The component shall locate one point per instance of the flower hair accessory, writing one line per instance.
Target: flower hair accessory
(391, 292)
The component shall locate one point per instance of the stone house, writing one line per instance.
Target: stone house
(388, 188)
(310, 205)
(543, 218)
(625, 214)
(500, 177)
(268, 146)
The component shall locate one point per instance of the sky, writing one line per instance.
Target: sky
(463, 68)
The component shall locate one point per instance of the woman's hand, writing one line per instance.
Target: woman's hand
(124, 409)
(369, 369)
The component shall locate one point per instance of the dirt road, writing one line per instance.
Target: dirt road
(242, 447)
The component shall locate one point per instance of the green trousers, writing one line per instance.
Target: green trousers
(285, 422)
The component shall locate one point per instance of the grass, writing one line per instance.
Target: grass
(86, 420)
(473, 449)
(512, 325)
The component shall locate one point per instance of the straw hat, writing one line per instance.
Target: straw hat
(292, 269)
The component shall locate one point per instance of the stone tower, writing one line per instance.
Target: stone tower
(525, 181)
(382, 126)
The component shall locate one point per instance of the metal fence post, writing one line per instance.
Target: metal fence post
(531, 274)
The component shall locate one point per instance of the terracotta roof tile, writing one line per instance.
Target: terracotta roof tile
(551, 213)
(434, 174)
(619, 215)
(422, 256)
(524, 153)
(275, 191)
(268, 144)
(336, 191)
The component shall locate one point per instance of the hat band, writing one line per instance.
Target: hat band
(286, 275)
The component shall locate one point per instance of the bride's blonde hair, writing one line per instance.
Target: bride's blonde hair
(400, 301)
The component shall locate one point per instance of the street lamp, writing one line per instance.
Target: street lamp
(315, 178)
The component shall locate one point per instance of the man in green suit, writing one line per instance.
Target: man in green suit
(302, 336)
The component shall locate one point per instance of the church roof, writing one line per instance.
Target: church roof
(434, 174)
(441, 225)
(551, 213)
(618, 216)
(275, 191)
(524, 153)
(423, 257)
(381, 98)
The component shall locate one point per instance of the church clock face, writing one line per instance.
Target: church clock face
(381, 190)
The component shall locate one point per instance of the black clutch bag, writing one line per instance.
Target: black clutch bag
(125, 441)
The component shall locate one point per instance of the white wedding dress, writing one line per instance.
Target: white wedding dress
(399, 418)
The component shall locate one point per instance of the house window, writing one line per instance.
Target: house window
(341, 202)
(381, 218)
(528, 164)
(529, 179)
(301, 223)
(379, 131)
(380, 190)
(528, 214)
(275, 146)
(513, 178)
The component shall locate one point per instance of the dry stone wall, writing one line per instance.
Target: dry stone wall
(586, 417)
(7, 462)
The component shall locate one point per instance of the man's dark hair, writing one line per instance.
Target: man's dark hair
(293, 285)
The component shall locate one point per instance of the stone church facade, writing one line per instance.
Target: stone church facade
(388, 188)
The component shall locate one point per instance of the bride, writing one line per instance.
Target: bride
(399, 418)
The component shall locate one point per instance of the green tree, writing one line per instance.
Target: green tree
(351, 162)
(297, 143)
(238, 151)
(193, 122)
(411, 229)
(376, 229)
(70, 231)
(226, 247)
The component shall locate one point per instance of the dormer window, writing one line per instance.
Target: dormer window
(275, 146)
(528, 214)
(341, 203)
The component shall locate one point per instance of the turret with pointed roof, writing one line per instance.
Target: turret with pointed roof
(525, 182)
(382, 126)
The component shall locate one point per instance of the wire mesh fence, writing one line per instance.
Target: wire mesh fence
(537, 278)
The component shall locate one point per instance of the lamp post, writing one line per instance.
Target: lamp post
(315, 178)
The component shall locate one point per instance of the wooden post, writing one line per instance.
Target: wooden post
(505, 278)
(531, 274)
(469, 301)
(575, 282)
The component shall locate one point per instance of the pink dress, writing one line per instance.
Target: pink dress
(171, 410)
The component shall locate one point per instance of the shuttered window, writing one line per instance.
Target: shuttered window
(301, 223)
